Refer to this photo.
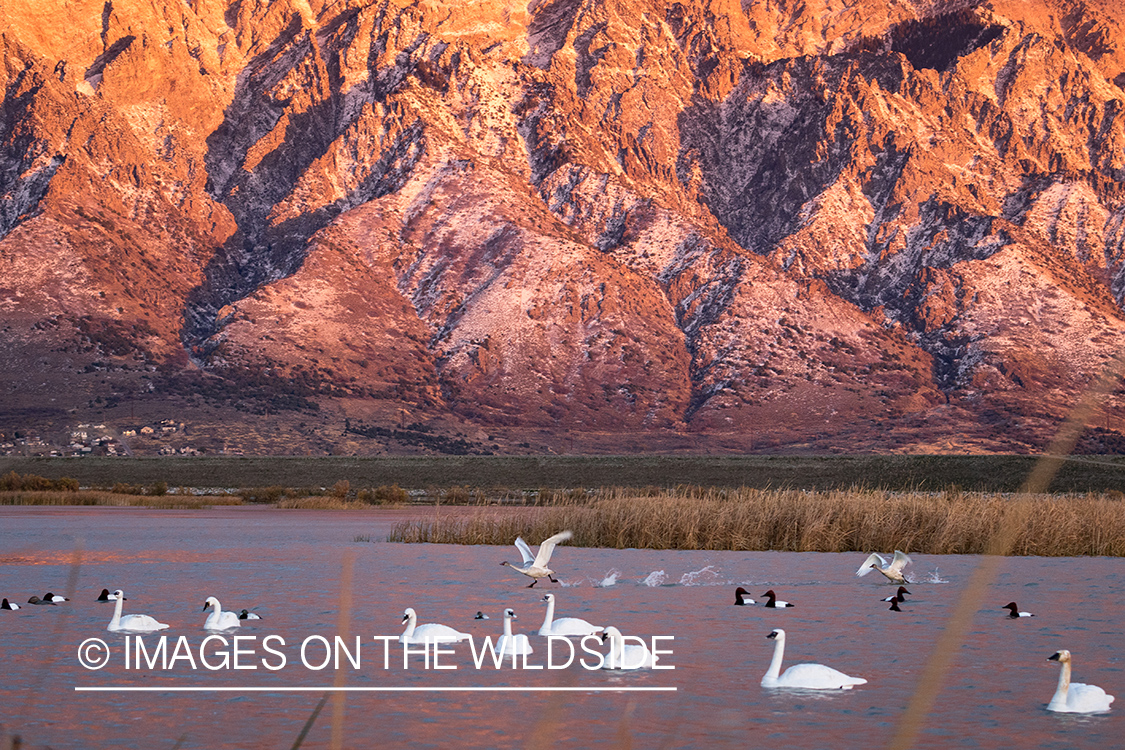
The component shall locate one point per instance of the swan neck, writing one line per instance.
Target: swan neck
(616, 650)
(778, 654)
(411, 623)
(117, 611)
(1064, 684)
(507, 626)
(549, 620)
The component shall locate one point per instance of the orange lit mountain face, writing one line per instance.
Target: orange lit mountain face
(609, 226)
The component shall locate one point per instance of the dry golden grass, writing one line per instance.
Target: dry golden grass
(96, 497)
(799, 521)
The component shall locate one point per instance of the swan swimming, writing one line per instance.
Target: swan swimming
(807, 676)
(625, 655)
(742, 597)
(8, 605)
(536, 566)
(134, 623)
(218, 619)
(898, 596)
(564, 625)
(773, 602)
(428, 633)
(512, 644)
(1014, 611)
(893, 570)
(248, 615)
(1076, 697)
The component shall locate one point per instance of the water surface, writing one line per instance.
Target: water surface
(287, 565)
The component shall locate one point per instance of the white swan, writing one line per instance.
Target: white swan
(623, 655)
(807, 676)
(742, 597)
(1075, 697)
(512, 644)
(248, 615)
(773, 602)
(898, 596)
(893, 570)
(218, 619)
(536, 566)
(133, 623)
(564, 625)
(428, 633)
(8, 605)
(1014, 610)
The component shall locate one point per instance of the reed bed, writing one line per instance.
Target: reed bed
(951, 522)
(97, 497)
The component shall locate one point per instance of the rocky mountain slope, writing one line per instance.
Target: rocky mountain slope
(610, 225)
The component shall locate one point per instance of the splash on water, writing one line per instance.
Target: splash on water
(609, 580)
(934, 577)
(707, 576)
(655, 578)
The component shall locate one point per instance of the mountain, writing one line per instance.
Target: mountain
(571, 225)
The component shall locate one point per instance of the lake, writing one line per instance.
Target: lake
(288, 565)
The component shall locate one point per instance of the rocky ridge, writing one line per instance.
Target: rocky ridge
(567, 225)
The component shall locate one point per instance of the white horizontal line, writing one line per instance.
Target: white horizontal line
(331, 689)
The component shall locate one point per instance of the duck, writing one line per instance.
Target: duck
(54, 598)
(892, 570)
(564, 625)
(480, 616)
(773, 602)
(219, 619)
(508, 645)
(133, 623)
(1076, 697)
(1014, 611)
(623, 655)
(894, 604)
(248, 615)
(536, 566)
(37, 601)
(806, 676)
(742, 597)
(105, 596)
(8, 605)
(428, 633)
(899, 595)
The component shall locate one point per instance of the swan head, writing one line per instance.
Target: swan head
(510, 614)
(610, 632)
(777, 634)
(505, 563)
(119, 594)
(210, 601)
(409, 614)
(1063, 657)
(548, 598)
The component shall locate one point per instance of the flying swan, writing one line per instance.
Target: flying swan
(1075, 697)
(893, 571)
(623, 655)
(564, 625)
(218, 619)
(133, 623)
(512, 644)
(428, 633)
(806, 676)
(536, 566)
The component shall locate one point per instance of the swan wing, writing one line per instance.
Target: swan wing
(140, 623)
(900, 561)
(817, 677)
(521, 545)
(572, 626)
(438, 634)
(548, 546)
(873, 560)
(1087, 698)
